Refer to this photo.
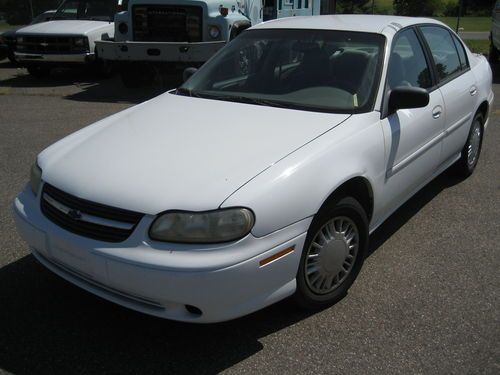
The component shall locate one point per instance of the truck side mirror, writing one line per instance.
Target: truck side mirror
(188, 72)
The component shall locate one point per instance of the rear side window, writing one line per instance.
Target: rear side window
(461, 53)
(443, 51)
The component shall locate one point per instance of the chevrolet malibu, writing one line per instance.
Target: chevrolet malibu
(264, 174)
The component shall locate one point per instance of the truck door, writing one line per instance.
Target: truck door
(290, 8)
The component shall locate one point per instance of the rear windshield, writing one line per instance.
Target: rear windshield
(97, 10)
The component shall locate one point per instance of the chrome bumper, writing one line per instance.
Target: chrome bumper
(158, 51)
(80, 58)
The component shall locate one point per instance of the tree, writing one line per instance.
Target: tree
(354, 6)
(417, 8)
(18, 12)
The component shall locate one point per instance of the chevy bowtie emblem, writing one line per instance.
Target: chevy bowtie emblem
(44, 44)
(75, 214)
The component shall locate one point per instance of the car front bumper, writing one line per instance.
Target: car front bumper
(165, 280)
(77, 58)
(158, 51)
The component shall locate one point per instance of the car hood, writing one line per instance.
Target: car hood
(177, 152)
(66, 27)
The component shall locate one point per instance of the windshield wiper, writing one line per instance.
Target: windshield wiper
(240, 99)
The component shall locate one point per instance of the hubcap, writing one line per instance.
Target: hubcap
(331, 255)
(474, 142)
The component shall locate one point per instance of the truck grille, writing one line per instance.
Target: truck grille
(88, 219)
(167, 23)
(52, 45)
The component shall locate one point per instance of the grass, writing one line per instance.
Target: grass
(478, 46)
(468, 23)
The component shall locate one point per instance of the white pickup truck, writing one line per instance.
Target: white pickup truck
(69, 39)
(153, 34)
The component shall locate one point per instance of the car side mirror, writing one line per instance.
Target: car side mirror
(403, 97)
(188, 72)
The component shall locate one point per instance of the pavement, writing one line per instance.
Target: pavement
(474, 35)
(427, 300)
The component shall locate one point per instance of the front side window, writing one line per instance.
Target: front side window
(443, 51)
(317, 70)
(407, 65)
(98, 10)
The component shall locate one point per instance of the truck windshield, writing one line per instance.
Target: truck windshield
(315, 70)
(97, 10)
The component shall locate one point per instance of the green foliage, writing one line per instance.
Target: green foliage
(18, 12)
(418, 8)
(451, 8)
(354, 6)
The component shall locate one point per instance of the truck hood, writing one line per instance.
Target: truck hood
(66, 27)
(177, 152)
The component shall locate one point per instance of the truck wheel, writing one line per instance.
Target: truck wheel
(12, 57)
(333, 253)
(39, 71)
(494, 54)
(136, 75)
(103, 68)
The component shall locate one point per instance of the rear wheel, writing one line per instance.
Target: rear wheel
(39, 71)
(333, 253)
(472, 149)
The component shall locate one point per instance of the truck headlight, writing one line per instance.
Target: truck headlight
(20, 39)
(214, 32)
(203, 227)
(123, 28)
(35, 178)
(79, 42)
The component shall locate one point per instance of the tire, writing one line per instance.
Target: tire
(494, 54)
(12, 57)
(472, 149)
(39, 71)
(328, 260)
(103, 69)
(137, 75)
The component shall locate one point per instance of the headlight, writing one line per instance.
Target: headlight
(35, 178)
(203, 227)
(214, 32)
(20, 39)
(123, 28)
(79, 42)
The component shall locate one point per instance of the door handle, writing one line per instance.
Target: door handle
(473, 91)
(436, 112)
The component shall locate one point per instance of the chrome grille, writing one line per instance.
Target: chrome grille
(167, 23)
(86, 218)
(51, 45)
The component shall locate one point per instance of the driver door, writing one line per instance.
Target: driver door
(412, 136)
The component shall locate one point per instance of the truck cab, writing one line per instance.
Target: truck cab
(69, 38)
(151, 35)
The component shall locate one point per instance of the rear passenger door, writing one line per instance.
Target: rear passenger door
(457, 85)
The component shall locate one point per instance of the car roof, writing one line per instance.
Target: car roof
(347, 22)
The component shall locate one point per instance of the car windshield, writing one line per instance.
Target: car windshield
(316, 70)
(97, 10)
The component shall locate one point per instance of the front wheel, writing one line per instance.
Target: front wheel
(333, 253)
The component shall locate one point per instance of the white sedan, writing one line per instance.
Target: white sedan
(263, 175)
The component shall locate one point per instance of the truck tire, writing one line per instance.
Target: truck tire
(494, 54)
(136, 75)
(103, 68)
(39, 71)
